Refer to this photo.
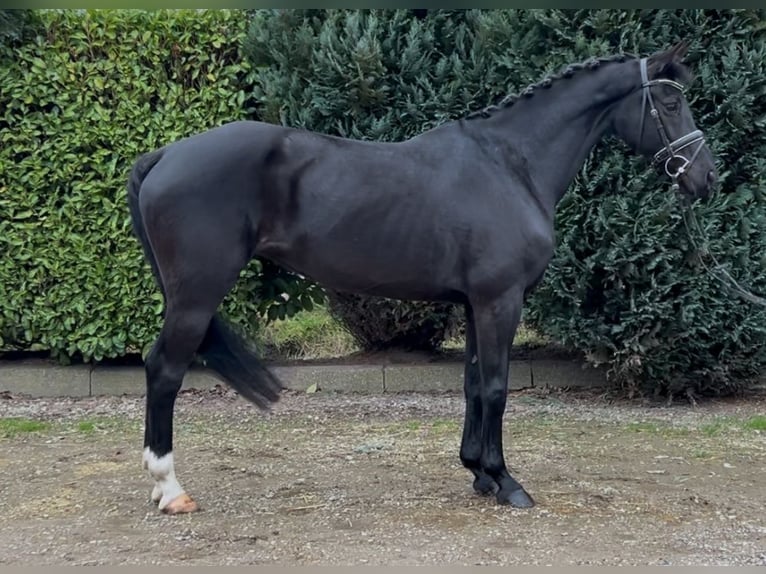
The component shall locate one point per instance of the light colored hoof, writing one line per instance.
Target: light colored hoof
(181, 504)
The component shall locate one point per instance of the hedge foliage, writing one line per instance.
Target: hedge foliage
(16, 26)
(627, 285)
(366, 75)
(79, 102)
(86, 92)
(379, 324)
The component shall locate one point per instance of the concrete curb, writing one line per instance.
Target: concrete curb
(41, 379)
(45, 380)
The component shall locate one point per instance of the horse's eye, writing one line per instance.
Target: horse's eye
(672, 107)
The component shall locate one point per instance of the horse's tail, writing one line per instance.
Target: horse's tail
(222, 349)
(229, 356)
(141, 168)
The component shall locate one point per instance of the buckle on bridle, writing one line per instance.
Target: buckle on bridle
(667, 155)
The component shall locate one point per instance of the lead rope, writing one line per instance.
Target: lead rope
(719, 272)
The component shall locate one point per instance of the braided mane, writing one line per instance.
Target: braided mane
(565, 73)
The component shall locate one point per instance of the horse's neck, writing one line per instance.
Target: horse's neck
(557, 128)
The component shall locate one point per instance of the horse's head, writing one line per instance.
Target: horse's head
(655, 120)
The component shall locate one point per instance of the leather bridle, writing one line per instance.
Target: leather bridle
(669, 153)
(671, 148)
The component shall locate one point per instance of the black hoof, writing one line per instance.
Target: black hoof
(484, 485)
(517, 498)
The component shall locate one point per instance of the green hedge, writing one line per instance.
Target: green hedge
(79, 102)
(626, 285)
(92, 90)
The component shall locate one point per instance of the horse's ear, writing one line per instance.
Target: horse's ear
(672, 55)
(668, 62)
(678, 52)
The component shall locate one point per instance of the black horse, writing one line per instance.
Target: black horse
(463, 213)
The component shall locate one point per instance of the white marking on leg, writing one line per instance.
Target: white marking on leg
(157, 490)
(162, 471)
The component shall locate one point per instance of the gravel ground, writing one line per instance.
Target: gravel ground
(346, 479)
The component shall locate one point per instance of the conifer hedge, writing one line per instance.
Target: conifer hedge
(627, 285)
(16, 26)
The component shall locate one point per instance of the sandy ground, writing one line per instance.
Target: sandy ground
(344, 479)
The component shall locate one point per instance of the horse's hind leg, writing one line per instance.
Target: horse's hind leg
(166, 365)
(198, 269)
(470, 447)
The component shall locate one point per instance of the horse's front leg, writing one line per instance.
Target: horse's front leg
(496, 321)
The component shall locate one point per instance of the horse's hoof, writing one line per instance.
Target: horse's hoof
(181, 504)
(484, 485)
(517, 498)
(156, 494)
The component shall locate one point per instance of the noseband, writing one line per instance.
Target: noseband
(670, 152)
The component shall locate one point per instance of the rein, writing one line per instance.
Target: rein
(718, 271)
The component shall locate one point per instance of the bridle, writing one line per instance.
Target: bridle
(670, 152)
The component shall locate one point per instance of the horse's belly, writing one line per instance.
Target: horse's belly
(373, 270)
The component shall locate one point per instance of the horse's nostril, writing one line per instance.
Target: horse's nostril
(711, 177)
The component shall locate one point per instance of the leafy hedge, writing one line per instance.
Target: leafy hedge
(627, 285)
(79, 102)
